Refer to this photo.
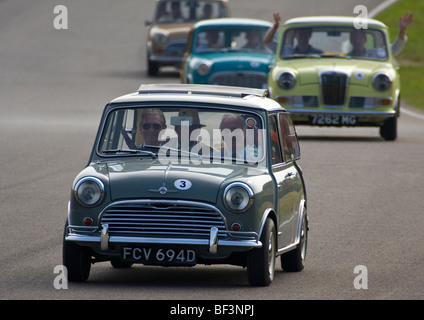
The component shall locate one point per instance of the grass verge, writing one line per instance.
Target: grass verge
(411, 59)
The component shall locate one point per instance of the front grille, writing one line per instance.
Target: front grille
(175, 49)
(240, 79)
(333, 86)
(163, 219)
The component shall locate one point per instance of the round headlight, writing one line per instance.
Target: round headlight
(381, 82)
(89, 191)
(238, 197)
(160, 38)
(203, 69)
(286, 80)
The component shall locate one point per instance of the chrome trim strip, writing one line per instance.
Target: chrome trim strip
(306, 112)
(164, 59)
(286, 249)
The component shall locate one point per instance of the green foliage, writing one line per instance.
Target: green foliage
(411, 59)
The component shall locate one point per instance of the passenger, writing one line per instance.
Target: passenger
(401, 39)
(162, 15)
(269, 38)
(207, 11)
(253, 40)
(187, 126)
(234, 131)
(151, 123)
(212, 40)
(358, 40)
(233, 126)
(176, 12)
(302, 36)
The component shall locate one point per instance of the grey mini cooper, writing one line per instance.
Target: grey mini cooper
(181, 175)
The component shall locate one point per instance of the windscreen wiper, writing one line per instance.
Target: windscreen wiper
(131, 151)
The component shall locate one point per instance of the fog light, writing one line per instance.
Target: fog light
(88, 221)
(236, 226)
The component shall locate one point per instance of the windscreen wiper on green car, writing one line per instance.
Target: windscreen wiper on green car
(132, 151)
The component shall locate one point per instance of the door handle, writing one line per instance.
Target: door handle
(290, 174)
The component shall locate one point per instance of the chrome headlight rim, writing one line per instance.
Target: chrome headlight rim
(203, 68)
(289, 81)
(230, 196)
(160, 38)
(99, 191)
(376, 81)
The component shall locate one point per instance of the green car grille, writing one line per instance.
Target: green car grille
(163, 219)
(240, 79)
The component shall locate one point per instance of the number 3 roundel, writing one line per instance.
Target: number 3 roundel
(182, 184)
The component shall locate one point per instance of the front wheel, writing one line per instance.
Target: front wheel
(388, 131)
(152, 67)
(261, 261)
(76, 259)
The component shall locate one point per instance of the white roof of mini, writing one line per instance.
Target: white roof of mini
(201, 94)
(233, 22)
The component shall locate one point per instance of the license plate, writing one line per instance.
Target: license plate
(159, 256)
(333, 120)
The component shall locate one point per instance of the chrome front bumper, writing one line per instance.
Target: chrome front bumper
(105, 239)
(166, 60)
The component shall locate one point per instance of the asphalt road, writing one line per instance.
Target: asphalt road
(364, 193)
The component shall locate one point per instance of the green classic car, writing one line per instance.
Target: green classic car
(228, 51)
(330, 72)
(181, 175)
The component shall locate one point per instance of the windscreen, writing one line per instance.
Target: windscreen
(170, 133)
(342, 42)
(231, 39)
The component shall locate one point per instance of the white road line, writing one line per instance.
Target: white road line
(412, 114)
(382, 6)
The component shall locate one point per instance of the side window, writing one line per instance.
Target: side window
(291, 150)
(274, 140)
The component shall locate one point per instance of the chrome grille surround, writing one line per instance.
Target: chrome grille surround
(163, 218)
(247, 79)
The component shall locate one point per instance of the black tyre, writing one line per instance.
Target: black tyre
(77, 260)
(388, 131)
(261, 261)
(294, 261)
(152, 67)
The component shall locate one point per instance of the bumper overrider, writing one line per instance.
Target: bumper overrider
(138, 223)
